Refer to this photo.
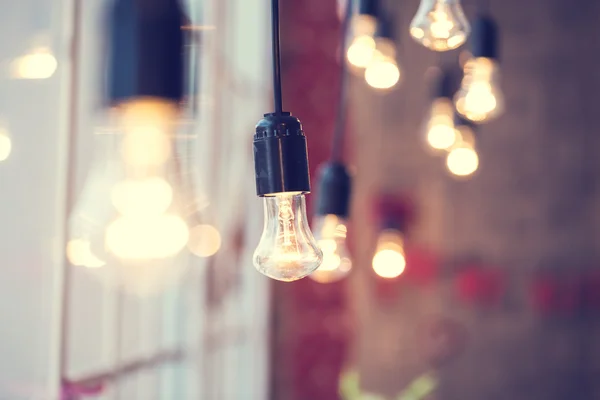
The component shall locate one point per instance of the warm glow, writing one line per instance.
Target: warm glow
(39, 64)
(148, 126)
(361, 51)
(5, 145)
(462, 161)
(79, 253)
(389, 261)
(205, 240)
(479, 98)
(441, 134)
(330, 232)
(146, 238)
(148, 197)
(287, 250)
(440, 25)
(382, 74)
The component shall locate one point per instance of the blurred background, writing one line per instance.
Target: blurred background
(495, 295)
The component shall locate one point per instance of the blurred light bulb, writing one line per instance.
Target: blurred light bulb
(40, 63)
(389, 261)
(441, 134)
(440, 25)
(480, 98)
(362, 45)
(330, 233)
(462, 160)
(287, 250)
(383, 71)
(130, 206)
(5, 144)
(205, 240)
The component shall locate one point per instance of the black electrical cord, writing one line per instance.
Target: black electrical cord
(342, 111)
(277, 96)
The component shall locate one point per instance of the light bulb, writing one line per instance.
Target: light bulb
(441, 134)
(5, 143)
(389, 261)
(462, 160)
(330, 233)
(129, 210)
(383, 71)
(362, 45)
(40, 63)
(287, 250)
(480, 98)
(440, 25)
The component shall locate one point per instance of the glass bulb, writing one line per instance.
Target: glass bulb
(39, 63)
(480, 98)
(441, 134)
(129, 209)
(383, 71)
(330, 232)
(389, 261)
(462, 160)
(440, 25)
(362, 44)
(287, 250)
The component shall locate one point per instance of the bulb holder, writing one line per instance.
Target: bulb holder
(484, 38)
(394, 212)
(280, 155)
(335, 186)
(146, 56)
(385, 28)
(459, 120)
(368, 7)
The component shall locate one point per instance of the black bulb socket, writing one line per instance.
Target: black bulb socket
(368, 7)
(335, 186)
(146, 50)
(280, 155)
(484, 38)
(447, 83)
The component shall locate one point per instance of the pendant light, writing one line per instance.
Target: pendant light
(440, 132)
(480, 97)
(129, 209)
(333, 202)
(440, 25)
(389, 259)
(383, 72)
(363, 26)
(287, 250)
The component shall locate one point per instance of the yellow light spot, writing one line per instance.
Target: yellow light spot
(205, 240)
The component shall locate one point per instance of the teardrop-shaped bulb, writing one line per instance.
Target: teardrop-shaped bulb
(389, 261)
(287, 250)
(440, 131)
(440, 25)
(330, 232)
(480, 98)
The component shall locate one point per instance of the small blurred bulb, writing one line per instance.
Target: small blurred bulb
(462, 160)
(440, 25)
(389, 261)
(287, 250)
(480, 98)
(330, 233)
(147, 197)
(362, 47)
(40, 63)
(5, 143)
(383, 72)
(441, 134)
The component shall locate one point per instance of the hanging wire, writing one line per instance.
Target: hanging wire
(340, 122)
(277, 96)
